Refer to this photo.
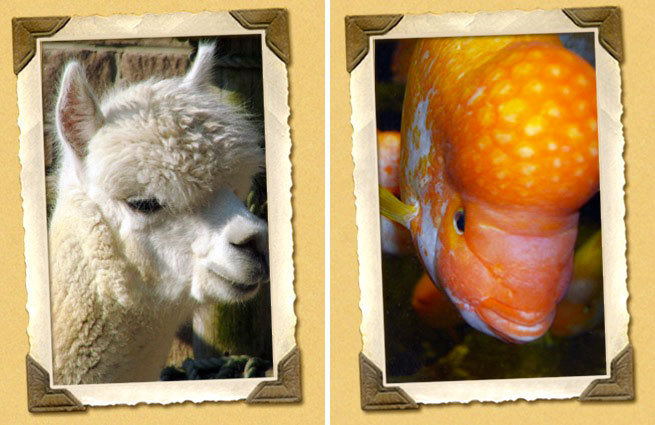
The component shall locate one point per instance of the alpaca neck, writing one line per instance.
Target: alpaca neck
(108, 324)
(145, 338)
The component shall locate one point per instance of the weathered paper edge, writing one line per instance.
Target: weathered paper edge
(612, 181)
(277, 131)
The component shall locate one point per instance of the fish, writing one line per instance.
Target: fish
(396, 239)
(432, 306)
(401, 59)
(581, 309)
(499, 150)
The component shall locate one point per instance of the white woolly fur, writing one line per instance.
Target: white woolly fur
(124, 279)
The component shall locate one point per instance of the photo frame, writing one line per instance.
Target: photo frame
(30, 35)
(379, 390)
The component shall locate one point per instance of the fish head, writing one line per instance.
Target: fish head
(505, 270)
(521, 154)
(500, 151)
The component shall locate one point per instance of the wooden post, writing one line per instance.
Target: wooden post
(240, 328)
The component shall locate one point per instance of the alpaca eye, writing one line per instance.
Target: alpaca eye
(147, 206)
(459, 221)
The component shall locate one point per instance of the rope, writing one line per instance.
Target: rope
(223, 367)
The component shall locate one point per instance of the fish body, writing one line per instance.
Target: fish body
(396, 239)
(498, 152)
(582, 306)
(432, 306)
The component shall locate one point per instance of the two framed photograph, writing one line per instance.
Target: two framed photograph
(489, 189)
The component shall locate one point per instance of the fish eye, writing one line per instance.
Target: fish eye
(459, 221)
(147, 206)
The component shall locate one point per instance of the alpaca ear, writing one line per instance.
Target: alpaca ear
(203, 66)
(78, 113)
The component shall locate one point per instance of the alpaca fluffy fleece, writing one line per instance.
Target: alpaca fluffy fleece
(123, 279)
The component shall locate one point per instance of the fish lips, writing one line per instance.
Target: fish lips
(513, 331)
(521, 328)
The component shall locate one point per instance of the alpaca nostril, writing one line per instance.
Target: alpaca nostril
(250, 245)
(248, 236)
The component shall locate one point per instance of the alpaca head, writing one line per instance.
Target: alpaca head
(166, 165)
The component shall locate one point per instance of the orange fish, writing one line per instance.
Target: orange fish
(582, 306)
(401, 59)
(432, 306)
(499, 151)
(395, 238)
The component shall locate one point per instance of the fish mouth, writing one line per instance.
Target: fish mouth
(508, 324)
(529, 326)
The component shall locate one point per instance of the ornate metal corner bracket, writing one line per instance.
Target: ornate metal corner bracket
(276, 24)
(608, 21)
(286, 389)
(374, 395)
(358, 30)
(42, 398)
(25, 31)
(619, 386)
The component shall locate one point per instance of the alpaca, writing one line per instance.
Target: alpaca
(149, 221)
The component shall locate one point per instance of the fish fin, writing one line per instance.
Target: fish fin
(394, 209)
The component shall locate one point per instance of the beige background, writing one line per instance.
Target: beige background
(638, 119)
(307, 105)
